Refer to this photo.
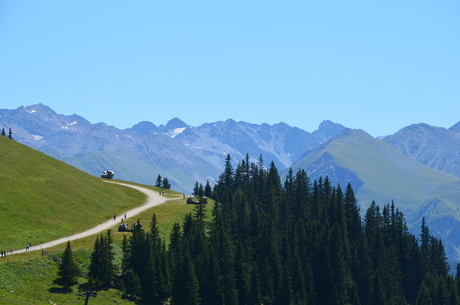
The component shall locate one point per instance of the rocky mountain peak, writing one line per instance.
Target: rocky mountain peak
(175, 123)
(144, 127)
(327, 130)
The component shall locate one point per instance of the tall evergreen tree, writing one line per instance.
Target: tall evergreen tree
(159, 181)
(208, 189)
(166, 185)
(68, 268)
(196, 188)
(102, 268)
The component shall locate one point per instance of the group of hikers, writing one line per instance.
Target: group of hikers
(5, 253)
(115, 217)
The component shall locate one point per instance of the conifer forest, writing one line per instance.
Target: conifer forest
(282, 242)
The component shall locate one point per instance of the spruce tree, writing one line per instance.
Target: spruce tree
(68, 268)
(133, 284)
(196, 188)
(166, 185)
(207, 189)
(159, 181)
(102, 269)
(95, 263)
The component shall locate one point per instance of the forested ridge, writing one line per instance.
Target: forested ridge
(291, 242)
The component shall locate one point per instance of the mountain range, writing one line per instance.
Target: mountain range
(418, 167)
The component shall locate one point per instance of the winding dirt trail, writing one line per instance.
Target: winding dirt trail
(153, 199)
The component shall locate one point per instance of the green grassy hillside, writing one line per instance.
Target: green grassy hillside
(42, 199)
(29, 278)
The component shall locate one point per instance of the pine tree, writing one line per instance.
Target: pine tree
(208, 189)
(101, 269)
(196, 188)
(133, 284)
(159, 181)
(3, 132)
(95, 263)
(68, 268)
(200, 191)
(166, 185)
(10, 134)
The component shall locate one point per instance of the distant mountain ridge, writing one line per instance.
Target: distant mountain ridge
(182, 153)
(436, 147)
(417, 167)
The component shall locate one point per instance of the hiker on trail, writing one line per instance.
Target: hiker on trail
(114, 217)
(27, 247)
(125, 216)
(122, 220)
(11, 250)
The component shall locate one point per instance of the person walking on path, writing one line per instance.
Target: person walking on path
(114, 217)
(27, 247)
(153, 199)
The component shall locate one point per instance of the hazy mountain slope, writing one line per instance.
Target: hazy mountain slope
(42, 199)
(436, 147)
(177, 151)
(137, 154)
(381, 173)
(280, 143)
(456, 127)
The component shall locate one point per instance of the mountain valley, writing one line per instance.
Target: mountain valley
(417, 167)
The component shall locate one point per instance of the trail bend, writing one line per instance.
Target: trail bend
(153, 199)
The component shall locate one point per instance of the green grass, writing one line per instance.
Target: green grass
(32, 276)
(32, 282)
(42, 199)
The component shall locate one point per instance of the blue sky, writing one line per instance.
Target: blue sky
(374, 65)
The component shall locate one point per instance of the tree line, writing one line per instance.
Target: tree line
(268, 242)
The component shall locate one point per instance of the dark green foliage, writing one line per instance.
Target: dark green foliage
(101, 269)
(159, 181)
(208, 189)
(68, 268)
(10, 134)
(3, 132)
(300, 242)
(162, 182)
(166, 185)
(196, 188)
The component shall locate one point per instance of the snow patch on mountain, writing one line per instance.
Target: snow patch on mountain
(176, 132)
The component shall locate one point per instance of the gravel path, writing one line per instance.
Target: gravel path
(153, 199)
